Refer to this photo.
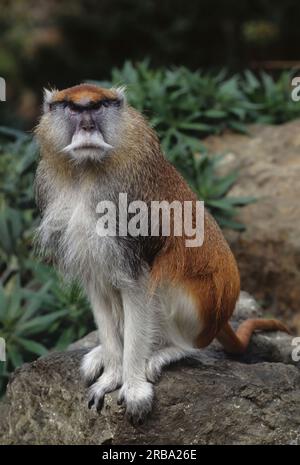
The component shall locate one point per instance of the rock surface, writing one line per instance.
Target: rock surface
(268, 252)
(214, 400)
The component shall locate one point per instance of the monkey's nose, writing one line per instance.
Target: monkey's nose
(87, 124)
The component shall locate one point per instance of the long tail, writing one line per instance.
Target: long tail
(237, 342)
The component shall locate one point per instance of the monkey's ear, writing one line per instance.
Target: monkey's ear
(48, 98)
(121, 93)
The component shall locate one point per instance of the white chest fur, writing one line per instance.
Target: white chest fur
(68, 228)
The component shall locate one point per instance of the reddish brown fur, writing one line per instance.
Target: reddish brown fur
(208, 273)
(237, 342)
(83, 92)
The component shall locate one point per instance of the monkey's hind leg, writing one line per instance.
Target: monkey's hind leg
(180, 326)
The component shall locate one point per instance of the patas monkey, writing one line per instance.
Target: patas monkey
(155, 301)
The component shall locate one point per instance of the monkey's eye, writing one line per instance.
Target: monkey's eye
(98, 105)
(56, 105)
(106, 103)
(73, 108)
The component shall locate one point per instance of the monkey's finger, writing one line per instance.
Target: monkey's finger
(120, 400)
(135, 419)
(96, 401)
(92, 400)
(90, 403)
(99, 403)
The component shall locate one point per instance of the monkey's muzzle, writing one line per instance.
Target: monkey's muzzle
(87, 140)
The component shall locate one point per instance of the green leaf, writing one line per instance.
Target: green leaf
(216, 114)
(35, 301)
(252, 80)
(239, 127)
(14, 356)
(239, 201)
(222, 205)
(39, 324)
(221, 188)
(228, 223)
(13, 133)
(32, 346)
(3, 303)
(195, 126)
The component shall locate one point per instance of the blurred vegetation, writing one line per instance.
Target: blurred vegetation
(180, 101)
(37, 313)
(49, 42)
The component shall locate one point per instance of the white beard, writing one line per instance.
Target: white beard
(87, 145)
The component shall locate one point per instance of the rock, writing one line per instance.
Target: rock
(216, 399)
(4, 409)
(268, 252)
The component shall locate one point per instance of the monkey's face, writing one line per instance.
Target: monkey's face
(83, 122)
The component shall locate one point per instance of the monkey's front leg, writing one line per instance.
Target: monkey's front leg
(102, 366)
(139, 319)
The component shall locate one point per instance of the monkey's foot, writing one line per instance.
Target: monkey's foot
(92, 365)
(137, 396)
(110, 380)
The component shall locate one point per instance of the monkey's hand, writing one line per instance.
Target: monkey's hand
(102, 373)
(109, 381)
(138, 398)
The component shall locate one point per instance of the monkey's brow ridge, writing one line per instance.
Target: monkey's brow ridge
(87, 106)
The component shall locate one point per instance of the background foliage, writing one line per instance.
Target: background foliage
(49, 42)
